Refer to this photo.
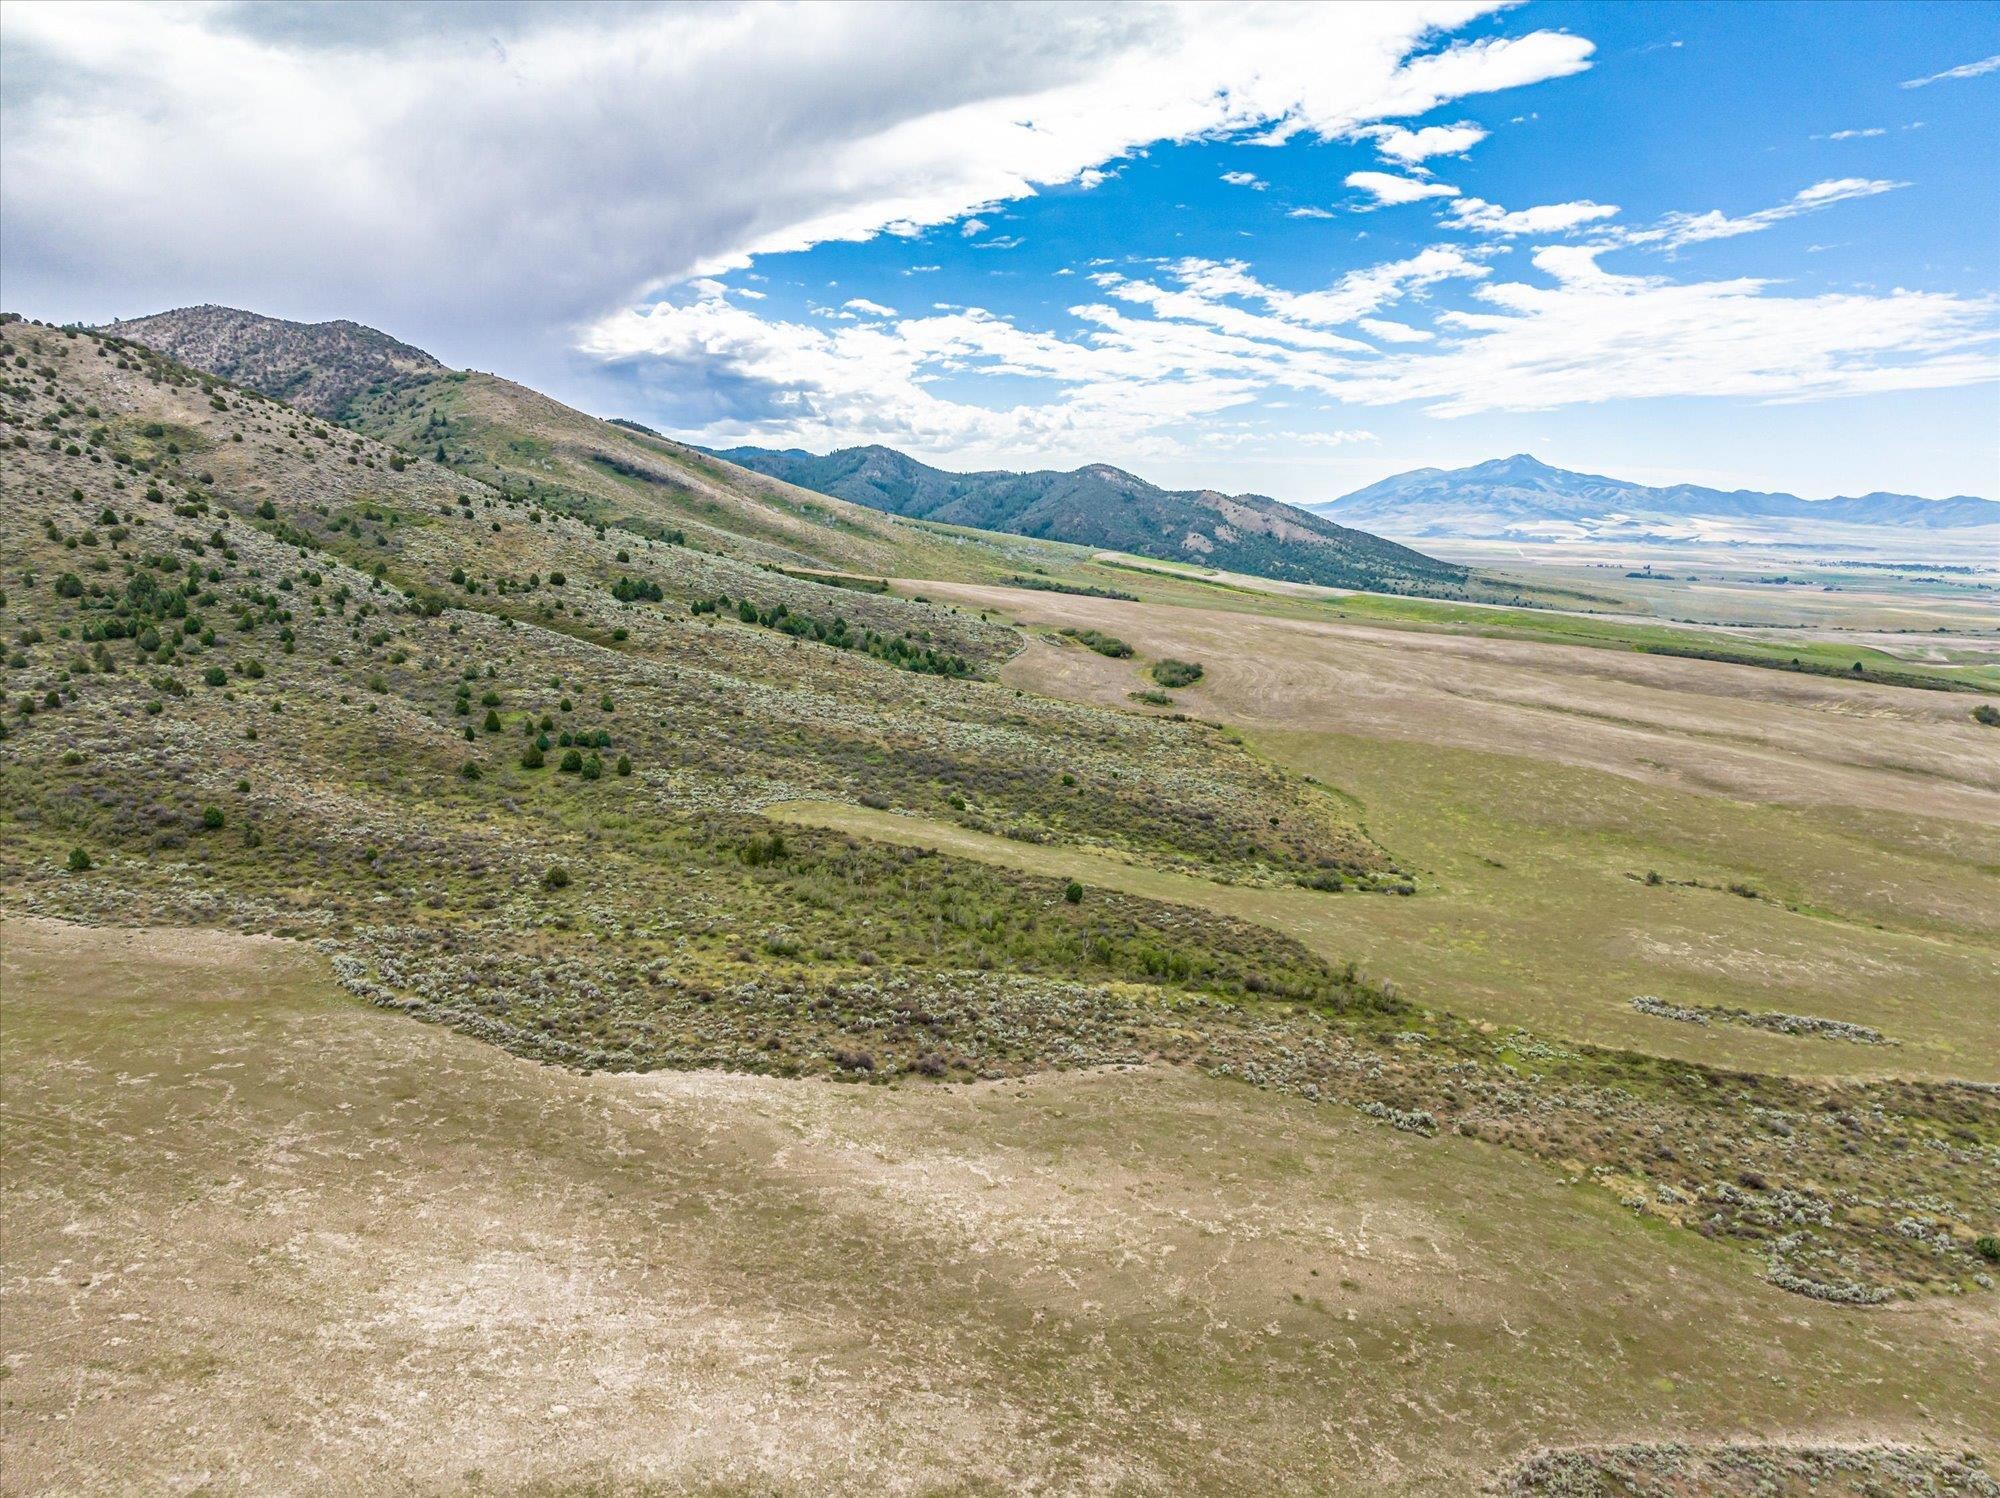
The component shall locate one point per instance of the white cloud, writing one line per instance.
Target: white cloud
(1310, 212)
(1245, 179)
(873, 309)
(1483, 217)
(1386, 187)
(572, 158)
(1868, 134)
(1393, 332)
(1677, 229)
(1963, 70)
(1204, 337)
(972, 226)
(1413, 146)
(1594, 336)
(1161, 360)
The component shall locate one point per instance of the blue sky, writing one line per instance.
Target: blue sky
(1291, 249)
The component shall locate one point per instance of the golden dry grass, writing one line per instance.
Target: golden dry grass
(263, 1240)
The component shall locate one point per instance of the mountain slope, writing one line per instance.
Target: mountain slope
(1523, 499)
(1107, 507)
(319, 367)
(525, 444)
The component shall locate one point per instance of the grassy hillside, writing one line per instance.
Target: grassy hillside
(504, 754)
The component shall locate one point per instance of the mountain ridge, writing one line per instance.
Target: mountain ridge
(374, 383)
(1521, 498)
(1100, 504)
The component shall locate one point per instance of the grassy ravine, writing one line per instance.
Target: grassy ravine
(265, 671)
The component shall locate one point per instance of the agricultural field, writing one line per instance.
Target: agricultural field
(547, 963)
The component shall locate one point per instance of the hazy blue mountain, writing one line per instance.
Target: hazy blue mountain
(1104, 506)
(1523, 499)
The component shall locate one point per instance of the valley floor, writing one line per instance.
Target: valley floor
(1823, 848)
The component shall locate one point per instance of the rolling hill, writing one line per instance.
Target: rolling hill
(1104, 506)
(1523, 499)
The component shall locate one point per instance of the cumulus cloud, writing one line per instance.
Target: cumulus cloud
(1387, 187)
(1482, 217)
(1963, 70)
(873, 309)
(1245, 179)
(430, 167)
(1413, 146)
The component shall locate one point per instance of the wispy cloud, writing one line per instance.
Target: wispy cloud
(1245, 179)
(1677, 229)
(1393, 332)
(1593, 336)
(1963, 70)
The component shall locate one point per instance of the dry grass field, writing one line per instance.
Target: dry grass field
(263, 1239)
(1824, 848)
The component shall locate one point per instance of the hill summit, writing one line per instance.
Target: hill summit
(320, 367)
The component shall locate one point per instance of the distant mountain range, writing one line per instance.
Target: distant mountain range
(1104, 506)
(320, 367)
(346, 372)
(1523, 499)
